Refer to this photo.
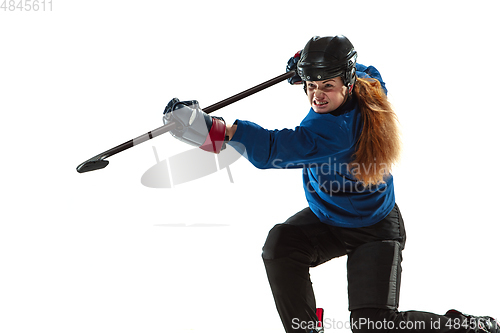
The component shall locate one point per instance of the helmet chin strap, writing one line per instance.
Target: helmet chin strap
(351, 79)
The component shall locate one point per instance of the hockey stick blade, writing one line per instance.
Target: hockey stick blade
(92, 165)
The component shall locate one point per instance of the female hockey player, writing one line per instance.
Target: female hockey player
(346, 146)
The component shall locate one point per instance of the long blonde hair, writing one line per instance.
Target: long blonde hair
(379, 145)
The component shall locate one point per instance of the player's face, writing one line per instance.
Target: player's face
(326, 96)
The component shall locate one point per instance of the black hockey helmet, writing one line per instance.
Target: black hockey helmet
(324, 58)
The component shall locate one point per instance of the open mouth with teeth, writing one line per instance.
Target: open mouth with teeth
(318, 103)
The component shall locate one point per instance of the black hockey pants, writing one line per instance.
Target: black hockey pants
(373, 274)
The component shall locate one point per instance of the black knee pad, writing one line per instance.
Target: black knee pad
(374, 275)
(284, 241)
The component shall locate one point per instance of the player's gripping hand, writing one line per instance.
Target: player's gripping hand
(194, 126)
(292, 66)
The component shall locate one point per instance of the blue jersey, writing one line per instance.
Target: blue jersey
(323, 146)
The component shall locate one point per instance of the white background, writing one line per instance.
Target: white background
(97, 252)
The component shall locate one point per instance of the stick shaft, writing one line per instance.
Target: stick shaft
(248, 92)
(96, 162)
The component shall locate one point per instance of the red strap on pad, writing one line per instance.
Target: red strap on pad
(319, 314)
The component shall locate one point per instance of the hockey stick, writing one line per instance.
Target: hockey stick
(99, 161)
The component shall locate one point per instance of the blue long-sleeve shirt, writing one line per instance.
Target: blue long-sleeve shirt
(323, 146)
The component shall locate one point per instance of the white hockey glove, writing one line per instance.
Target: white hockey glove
(194, 126)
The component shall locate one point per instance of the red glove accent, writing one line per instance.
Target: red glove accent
(215, 138)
